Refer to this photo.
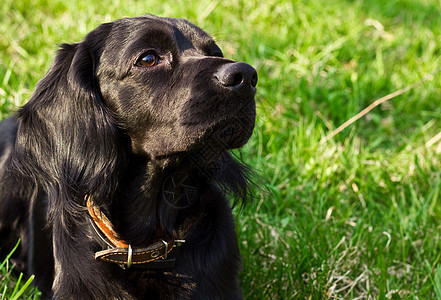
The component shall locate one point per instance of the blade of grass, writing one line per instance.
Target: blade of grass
(17, 284)
(9, 255)
(375, 104)
(15, 296)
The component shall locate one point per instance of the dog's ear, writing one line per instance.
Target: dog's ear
(67, 143)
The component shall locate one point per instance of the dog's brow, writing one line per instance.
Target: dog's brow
(189, 36)
(157, 38)
(182, 41)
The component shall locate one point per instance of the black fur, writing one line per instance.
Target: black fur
(101, 124)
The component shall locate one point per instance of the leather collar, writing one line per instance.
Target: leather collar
(120, 252)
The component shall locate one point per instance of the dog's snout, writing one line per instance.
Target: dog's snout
(238, 76)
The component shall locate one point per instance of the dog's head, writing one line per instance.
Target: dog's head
(156, 88)
(169, 88)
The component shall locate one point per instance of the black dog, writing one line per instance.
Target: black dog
(114, 174)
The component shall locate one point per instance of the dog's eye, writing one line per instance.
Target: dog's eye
(148, 60)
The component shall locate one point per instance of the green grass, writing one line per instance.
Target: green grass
(12, 287)
(357, 217)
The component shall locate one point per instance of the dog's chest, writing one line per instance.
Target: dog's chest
(150, 284)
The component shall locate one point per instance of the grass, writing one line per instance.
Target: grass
(12, 287)
(357, 217)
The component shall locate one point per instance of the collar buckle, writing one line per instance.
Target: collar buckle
(166, 249)
(129, 256)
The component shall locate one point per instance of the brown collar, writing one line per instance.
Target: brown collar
(122, 253)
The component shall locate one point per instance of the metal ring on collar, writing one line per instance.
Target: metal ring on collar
(166, 249)
(129, 256)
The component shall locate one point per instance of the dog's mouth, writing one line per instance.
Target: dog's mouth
(231, 134)
(228, 134)
(204, 143)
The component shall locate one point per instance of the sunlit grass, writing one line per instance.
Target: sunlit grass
(11, 287)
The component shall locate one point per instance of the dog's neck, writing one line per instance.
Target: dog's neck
(154, 200)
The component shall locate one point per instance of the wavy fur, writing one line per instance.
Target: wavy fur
(98, 124)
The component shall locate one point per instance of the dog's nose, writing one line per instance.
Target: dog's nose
(239, 77)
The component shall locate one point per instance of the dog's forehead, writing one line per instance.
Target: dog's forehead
(183, 29)
(165, 31)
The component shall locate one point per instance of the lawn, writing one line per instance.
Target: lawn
(353, 216)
